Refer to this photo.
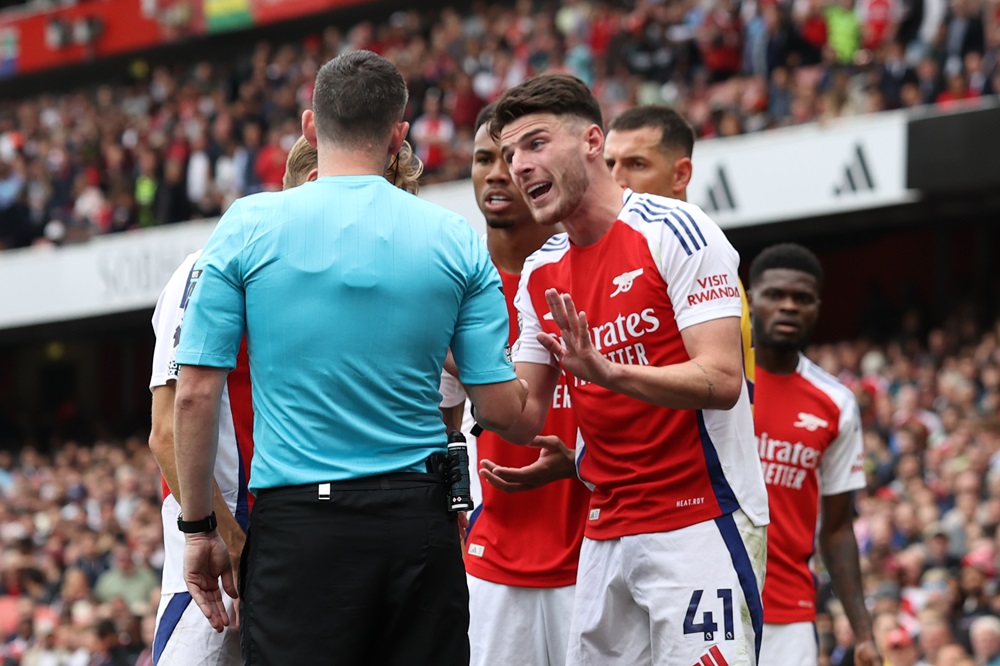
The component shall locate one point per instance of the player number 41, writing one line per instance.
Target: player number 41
(708, 626)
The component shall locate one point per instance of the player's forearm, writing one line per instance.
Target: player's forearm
(196, 433)
(839, 549)
(161, 443)
(694, 384)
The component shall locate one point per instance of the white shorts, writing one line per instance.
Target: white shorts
(518, 625)
(184, 636)
(681, 598)
(792, 644)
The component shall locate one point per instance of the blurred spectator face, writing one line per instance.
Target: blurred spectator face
(639, 161)
(173, 171)
(147, 163)
(968, 483)
(951, 655)
(123, 558)
(883, 623)
(501, 203)
(899, 648)
(934, 635)
(984, 634)
(251, 135)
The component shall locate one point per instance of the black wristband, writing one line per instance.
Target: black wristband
(197, 526)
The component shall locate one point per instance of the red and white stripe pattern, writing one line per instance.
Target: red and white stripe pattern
(713, 658)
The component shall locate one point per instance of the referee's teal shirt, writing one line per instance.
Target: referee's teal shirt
(350, 292)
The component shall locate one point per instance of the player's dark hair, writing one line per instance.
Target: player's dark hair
(787, 255)
(358, 98)
(485, 116)
(678, 135)
(559, 94)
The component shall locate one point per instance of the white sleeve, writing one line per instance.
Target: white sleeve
(842, 469)
(452, 392)
(167, 318)
(528, 349)
(697, 261)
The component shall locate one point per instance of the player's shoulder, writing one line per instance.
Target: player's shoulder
(655, 207)
(552, 251)
(189, 262)
(672, 220)
(179, 278)
(825, 383)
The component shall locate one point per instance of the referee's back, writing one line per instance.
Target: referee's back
(352, 292)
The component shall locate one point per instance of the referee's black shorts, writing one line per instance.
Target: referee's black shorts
(373, 575)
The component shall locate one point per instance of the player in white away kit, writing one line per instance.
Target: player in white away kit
(183, 636)
(809, 440)
(673, 557)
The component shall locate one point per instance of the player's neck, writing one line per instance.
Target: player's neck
(510, 247)
(776, 361)
(596, 214)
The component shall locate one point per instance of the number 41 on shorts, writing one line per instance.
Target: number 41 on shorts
(708, 626)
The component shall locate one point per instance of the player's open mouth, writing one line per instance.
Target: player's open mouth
(538, 190)
(497, 201)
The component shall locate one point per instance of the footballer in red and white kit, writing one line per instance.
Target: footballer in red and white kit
(496, 548)
(808, 430)
(183, 635)
(678, 481)
(809, 440)
(525, 540)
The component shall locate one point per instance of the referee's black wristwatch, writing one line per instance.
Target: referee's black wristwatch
(197, 526)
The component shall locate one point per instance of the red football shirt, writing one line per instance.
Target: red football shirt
(531, 538)
(662, 267)
(809, 440)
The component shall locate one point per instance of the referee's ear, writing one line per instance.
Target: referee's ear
(309, 126)
(399, 132)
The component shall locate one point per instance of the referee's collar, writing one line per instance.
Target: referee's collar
(353, 177)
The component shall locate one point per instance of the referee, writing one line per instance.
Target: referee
(350, 292)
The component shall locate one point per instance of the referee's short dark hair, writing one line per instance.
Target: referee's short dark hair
(559, 94)
(787, 255)
(678, 135)
(358, 98)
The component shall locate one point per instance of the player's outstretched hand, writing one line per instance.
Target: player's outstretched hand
(866, 654)
(555, 461)
(206, 558)
(576, 351)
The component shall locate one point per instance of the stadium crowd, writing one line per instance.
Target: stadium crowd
(171, 143)
(81, 537)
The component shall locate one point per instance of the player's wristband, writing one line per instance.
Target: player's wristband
(197, 526)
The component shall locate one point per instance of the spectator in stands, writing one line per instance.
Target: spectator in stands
(728, 71)
(127, 579)
(984, 634)
(433, 133)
